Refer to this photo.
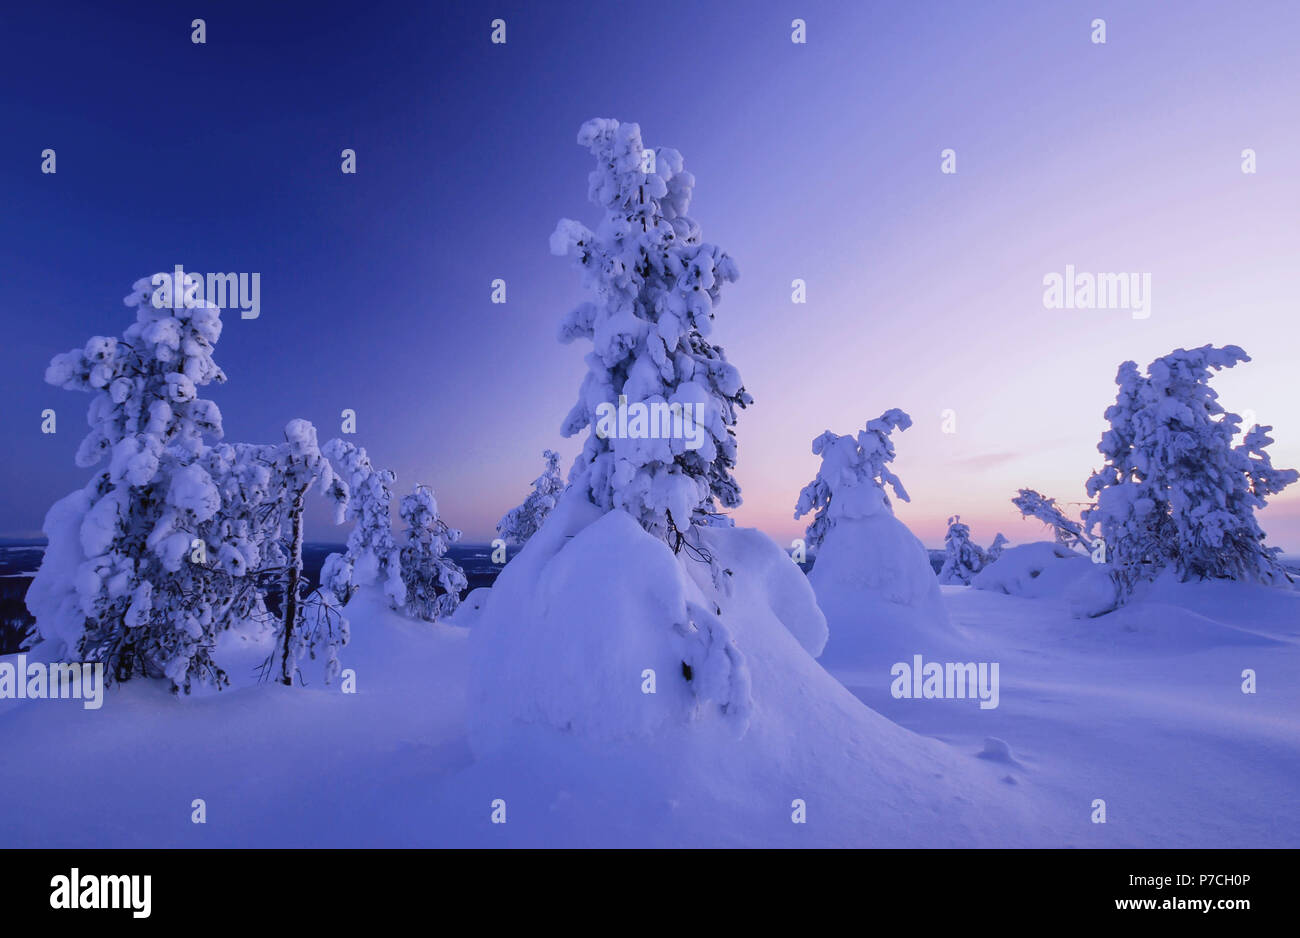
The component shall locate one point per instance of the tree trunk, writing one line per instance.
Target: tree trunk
(292, 585)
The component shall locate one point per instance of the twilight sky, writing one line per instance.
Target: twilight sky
(818, 161)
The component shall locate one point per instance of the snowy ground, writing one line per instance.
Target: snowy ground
(1142, 709)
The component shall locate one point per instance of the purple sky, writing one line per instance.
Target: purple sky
(817, 161)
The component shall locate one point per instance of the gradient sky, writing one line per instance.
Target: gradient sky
(817, 161)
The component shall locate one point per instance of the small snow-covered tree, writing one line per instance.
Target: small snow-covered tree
(521, 523)
(1035, 505)
(1174, 491)
(372, 553)
(297, 465)
(654, 285)
(995, 549)
(433, 581)
(852, 468)
(963, 558)
(125, 580)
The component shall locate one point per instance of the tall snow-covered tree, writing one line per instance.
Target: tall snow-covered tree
(521, 523)
(125, 580)
(372, 554)
(853, 470)
(654, 284)
(1174, 491)
(433, 581)
(1067, 532)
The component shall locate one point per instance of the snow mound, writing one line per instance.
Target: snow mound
(724, 749)
(471, 607)
(1041, 570)
(594, 629)
(881, 598)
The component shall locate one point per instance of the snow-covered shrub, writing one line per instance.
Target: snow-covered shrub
(654, 284)
(1035, 505)
(1175, 493)
(872, 576)
(122, 582)
(372, 554)
(962, 558)
(522, 522)
(433, 581)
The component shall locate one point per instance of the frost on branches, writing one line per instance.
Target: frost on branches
(124, 580)
(372, 554)
(1174, 491)
(853, 475)
(654, 284)
(433, 582)
(522, 522)
(1068, 533)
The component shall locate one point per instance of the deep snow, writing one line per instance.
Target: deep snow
(1142, 708)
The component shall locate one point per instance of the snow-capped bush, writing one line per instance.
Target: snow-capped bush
(1067, 532)
(125, 580)
(522, 522)
(433, 581)
(372, 554)
(654, 286)
(1174, 491)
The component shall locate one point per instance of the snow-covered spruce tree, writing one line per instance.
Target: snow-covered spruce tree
(310, 622)
(372, 553)
(1174, 491)
(654, 285)
(1035, 505)
(852, 469)
(122, 582)
(995, 549)
(521, 523)
(634, 573)
(433, 581)
(963, 558)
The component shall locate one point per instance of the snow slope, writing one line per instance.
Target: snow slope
(1142, 708)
